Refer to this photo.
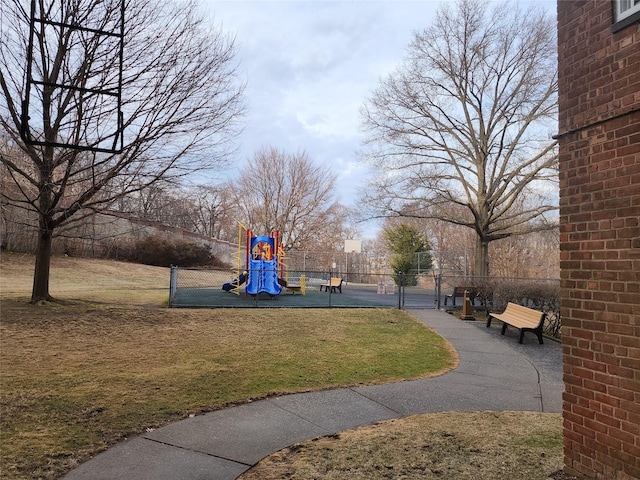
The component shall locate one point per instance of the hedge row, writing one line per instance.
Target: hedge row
(495, 293)
(164, 253)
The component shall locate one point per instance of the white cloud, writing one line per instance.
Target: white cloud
(310, 66)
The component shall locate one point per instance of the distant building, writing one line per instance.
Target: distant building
(599, 136)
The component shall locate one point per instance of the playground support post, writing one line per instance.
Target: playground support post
(248, 247)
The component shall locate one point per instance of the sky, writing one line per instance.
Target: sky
(310, 65)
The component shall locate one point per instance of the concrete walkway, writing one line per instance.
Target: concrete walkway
(495, 373)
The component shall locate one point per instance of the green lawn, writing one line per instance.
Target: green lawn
(78, 375)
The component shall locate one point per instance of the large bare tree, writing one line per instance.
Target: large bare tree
(288, 192)
(180, 101)
(467, 120)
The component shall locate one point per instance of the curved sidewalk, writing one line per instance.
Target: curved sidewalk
(495, 373)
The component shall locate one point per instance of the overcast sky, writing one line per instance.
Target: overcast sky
(310, 65)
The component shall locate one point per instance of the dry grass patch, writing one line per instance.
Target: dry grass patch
(461, 446)
(89, 279)
(77, 375)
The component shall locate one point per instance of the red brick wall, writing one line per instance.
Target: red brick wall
(599, 138)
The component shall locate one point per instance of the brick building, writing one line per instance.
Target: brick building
(599, 140)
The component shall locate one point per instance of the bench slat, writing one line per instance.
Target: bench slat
(523, 318)
(333, 284)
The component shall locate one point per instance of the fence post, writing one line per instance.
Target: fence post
(438, 289)
(173, 284)
(329, 282)
(400, 290)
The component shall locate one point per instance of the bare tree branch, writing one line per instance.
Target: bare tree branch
(289, 193)
(467, 120)
(181, 103)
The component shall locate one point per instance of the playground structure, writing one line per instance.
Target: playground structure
(261, 265)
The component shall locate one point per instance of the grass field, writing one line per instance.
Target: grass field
(449, 446)
(106, 360)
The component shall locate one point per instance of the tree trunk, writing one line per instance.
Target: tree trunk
(481, 267)
(40, 290)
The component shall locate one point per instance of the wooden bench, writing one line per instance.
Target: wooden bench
(335, 283)
(458, 292)
(301, 287)
(523, 318)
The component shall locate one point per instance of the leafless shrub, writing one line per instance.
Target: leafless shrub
(539, 294)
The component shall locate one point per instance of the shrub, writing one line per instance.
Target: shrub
(404, 279)
(164, 253)
(543, 295)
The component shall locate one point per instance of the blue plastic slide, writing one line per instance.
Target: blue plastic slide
(263, 278)
(263, 267)
(236, 282)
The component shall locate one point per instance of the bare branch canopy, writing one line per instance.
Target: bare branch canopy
(181, 104)
(288, 192)
(466, 120)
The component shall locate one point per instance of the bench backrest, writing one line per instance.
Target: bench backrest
(524, 313)
(335, 282)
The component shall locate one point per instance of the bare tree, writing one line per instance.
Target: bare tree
(210, 211)
(467, 120)
(534, 255)
(180, 104)
(202, 209)
(287, 192)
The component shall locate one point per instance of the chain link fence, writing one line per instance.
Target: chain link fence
(193, 288)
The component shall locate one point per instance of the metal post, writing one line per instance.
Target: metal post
(173, 284)
(346, 266)
(329, 282)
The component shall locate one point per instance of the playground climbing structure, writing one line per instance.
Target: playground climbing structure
(234, 286)
(259, 262)
(264, 271)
